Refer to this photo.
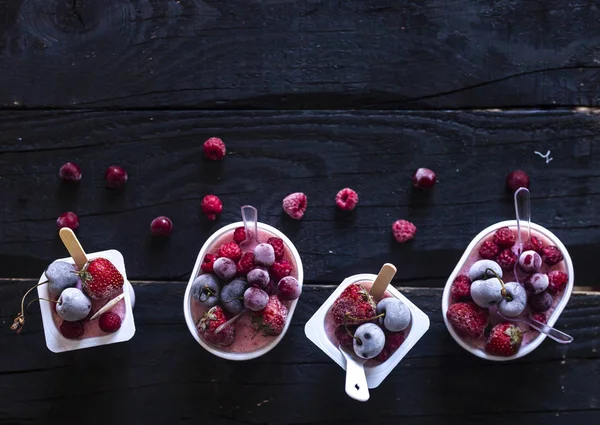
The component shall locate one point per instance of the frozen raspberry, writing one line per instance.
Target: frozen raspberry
(68, 219)
(239, 235)
(230, 250)
(516, 180)
(461, 288)
(489, 250)
(214, 149)
(424, 178)
(110, 322)
(346, 199)
(72, 330)
(208, 262)
(551, 255)
(345, 335)
(295, 205)
(393, 341)
(534, 244)
(245, 264)
(504, 237)
(115, 177)
(212, 206)
(281, 269)
(557, 281)
(507, 259)
(403, 230)
(278, 247)
(70, 172)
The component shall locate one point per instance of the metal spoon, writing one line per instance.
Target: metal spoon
(551, 332)
(356, 380)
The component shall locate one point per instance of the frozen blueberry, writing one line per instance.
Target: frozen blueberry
(225, 268)
(397, 315)
(536, 283)
(369, 341)
(530, 261)
(205, 289)
(540, 302)
(486, 293)
(264, 254)
(479, 270)
(259, 277)
(73, 305)
(255, 299)
(232, 295)
(514, 303)
(60, 275)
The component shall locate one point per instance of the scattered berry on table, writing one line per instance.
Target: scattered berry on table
(516, 180)
(551, 255)
(534, 244)
(557, 281)
(255, 299)
(205, 289)
(280, 269)
(403, 230)
(110, 322)
(264, 254)
(210, 321)
(354, 306)
(68, 219)
(230, 250)
(115, 177)
(396, 314)
(278, 247)
(289, 288)
(461, 288)
(161, 226)
(504, 237)
(239, 235)
(536, 283)
(271, 319)
(295, 205)
(259, 277)
(60, 275)
(489, 250)
(232, 295)
(72, 330)
(225, 268)
(70, 172)
(208, 263)
(245, 264)
(73, 305)
(393, 341)
(346, 199)
(211, 206)
(424, 178)
(540, 302)
(369, 341)
(214, 149)
(344, 338)
(504, 340)
(530, 261)
(467, 319)
(101, 279)
(507, 259)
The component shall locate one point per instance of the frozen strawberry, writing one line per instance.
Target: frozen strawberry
(270, 320)
(230, 250)
(101, 279)
(208, 263)
(246, 264)
(278, 247)
(489, 250)
(239, 235)
(354, 306)
(109, 322)
(280, 269)
(403, 230)
(295, 205)
(557, 281)
(209, 323)
(72, 330)
(551, 255)
(346, 199)
(504, 237)
(211, 206)
(393, 341)
(461, 288)
(467, 319)
(214, 149)
(504, 340)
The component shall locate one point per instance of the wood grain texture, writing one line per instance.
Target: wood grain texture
(163, 376)
(272, 154)
(290, 54)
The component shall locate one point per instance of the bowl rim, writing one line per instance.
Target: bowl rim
(187, 312)
(551, 320)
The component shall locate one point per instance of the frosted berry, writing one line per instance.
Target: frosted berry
(60, 275)
(489, 250)
(278, 247)
(73, 305)
(540, 302)
(424, 178)
(516, 180)
(557, 281)
(225, 268)
(68, 219)
(259, 277)
(551, 255)
(530, 261)
(232, 295)
(486, 293)
(280, 269)
(534, 244)
(369, 340)
(515, 302)
(479, 270)
(161, 226)
(393, 341)
(110, 322)
(239, 235)
(72, 330)
(214, 149)
(245, 264)
(504, 237)
(540, 317)
(208, 263)
(396, 314)
(115, 177)
(70, 172)
(205, 289)
(211, 206)
(264, 254)
(346, 199)
(345, 337)
(536, 283)
(230, 250)
(289, 288)
(461, 288)
(403, 230)
(507, 259)
(255, 299)
(467, 319)
(295, 205)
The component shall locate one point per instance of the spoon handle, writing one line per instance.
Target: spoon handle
(551, 332)
(523, 213)
(250, 217)
(356, 379)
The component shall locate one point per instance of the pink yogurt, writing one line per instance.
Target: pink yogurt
(247, 340)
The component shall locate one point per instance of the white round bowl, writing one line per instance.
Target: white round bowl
(551, 320)
(187, 298)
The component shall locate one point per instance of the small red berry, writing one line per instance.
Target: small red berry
(161, 226)
(461, 288)
(245, 264)
(516, 180)
(68, 219)
(295, 205)
(278, 247)
(504, 237)
(72, 330)
(534, 244)
(70, 172)
(239, 235)
(489, 250)
(212, 206)
(214, 149)
(280, 269)
(208, 262)
(346, 199)
(540, 317)
(557, 281)
(424, 178)
(507, 259)
(403, 230)
(551, 255)
(230, 250)
(109, 322)
(115, 176)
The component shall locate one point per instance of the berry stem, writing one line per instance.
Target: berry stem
(503, 291)
(19, 321)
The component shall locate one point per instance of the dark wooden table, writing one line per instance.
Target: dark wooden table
(309, 96)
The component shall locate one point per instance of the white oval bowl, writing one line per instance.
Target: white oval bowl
(551, 320)
(187, 298)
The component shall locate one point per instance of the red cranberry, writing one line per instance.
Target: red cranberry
(424, 178)
(115, 176)
(517, 179)
(70, 172)
(161, 226)
(68, 219)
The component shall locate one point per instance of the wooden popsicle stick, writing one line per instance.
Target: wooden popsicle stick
(73, 246)
(385, 276)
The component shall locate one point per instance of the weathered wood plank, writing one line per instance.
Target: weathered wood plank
(299, 55)
(272, 154)
(163, 376)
